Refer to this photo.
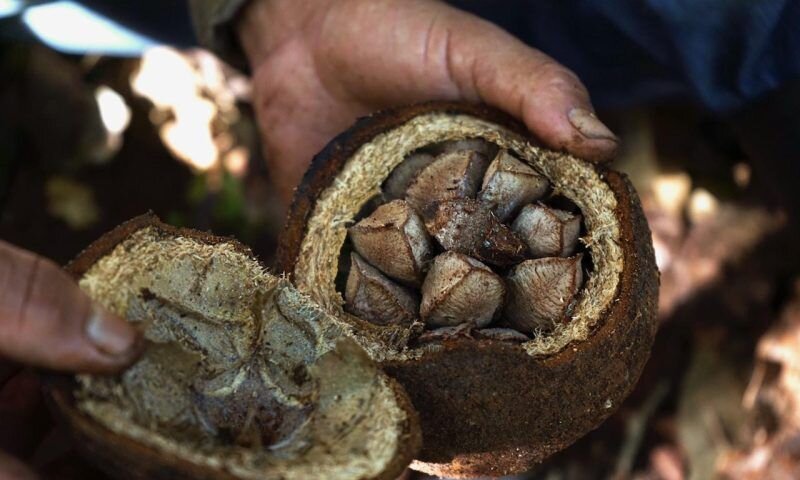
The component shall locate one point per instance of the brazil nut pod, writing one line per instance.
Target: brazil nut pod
(546, 310)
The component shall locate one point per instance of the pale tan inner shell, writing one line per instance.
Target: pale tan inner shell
(362, 175)
(256, 319)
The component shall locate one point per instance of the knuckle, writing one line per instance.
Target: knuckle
(557, 76)
(48, 300)
(47, 271)
(18, 270)
(40, 309)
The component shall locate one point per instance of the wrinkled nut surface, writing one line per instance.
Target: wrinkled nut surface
(394, 240)
(373, 296)
(452, 175)
(540, 292)
(460, 289)
(467, 226)
(509, 184)
(548, 232)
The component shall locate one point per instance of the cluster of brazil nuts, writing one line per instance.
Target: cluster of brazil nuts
(467, 235)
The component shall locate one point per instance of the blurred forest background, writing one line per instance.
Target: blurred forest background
(88, 141)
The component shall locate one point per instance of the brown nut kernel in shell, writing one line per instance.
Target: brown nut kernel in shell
(460, 290)
(540, 292)
(404, 174)
(467, 227)
(487, 149)
(451, 176)
(443, 334)
(509, 184)
(371, 296)
(394, 240)
(548, 232)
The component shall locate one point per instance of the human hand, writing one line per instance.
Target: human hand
(319, 65)
(46, 321)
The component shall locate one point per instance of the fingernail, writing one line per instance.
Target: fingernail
(108, 333)
(589, 125)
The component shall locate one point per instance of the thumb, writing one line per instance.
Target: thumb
(47, 321)
(488, 64)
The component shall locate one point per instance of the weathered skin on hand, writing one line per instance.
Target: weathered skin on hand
(319, 65)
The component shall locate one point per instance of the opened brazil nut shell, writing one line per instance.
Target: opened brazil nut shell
(497, 395)
(241, 376)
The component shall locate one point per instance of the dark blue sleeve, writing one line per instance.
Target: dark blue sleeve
(722, 53)
(166, 21)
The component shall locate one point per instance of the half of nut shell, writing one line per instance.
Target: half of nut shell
(497, 404)
(241, 375)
